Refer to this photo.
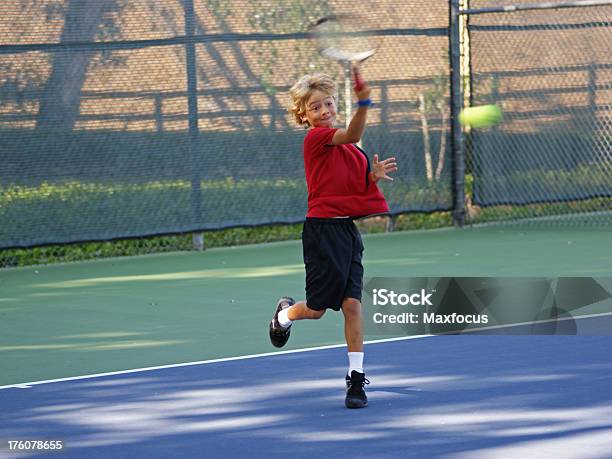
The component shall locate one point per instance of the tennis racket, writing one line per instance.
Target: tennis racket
(345, 39)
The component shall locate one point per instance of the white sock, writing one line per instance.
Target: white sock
(355, 362)
(283, 318)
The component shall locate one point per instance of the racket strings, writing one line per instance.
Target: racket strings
(343, 39)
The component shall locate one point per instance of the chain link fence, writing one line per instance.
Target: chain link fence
(134, 119)
(127, 119)
(551, 72)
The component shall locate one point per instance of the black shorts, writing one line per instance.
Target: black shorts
(332, 254)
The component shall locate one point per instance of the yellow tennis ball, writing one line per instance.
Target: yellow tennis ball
(480, 116)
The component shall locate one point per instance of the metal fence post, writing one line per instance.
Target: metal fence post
(458, 160)
(192, 104)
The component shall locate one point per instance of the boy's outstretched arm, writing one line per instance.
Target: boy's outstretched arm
(357, 125)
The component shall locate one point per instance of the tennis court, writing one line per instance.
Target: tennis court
(199, 323)
(430, 397)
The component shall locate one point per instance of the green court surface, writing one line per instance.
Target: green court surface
(108, 315)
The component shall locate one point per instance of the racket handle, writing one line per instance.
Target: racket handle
(357, 80)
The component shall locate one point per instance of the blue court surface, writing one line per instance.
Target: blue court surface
(440, 396)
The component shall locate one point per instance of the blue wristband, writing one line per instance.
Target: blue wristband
(364, 102)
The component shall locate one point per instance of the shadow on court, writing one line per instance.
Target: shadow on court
(477, 396)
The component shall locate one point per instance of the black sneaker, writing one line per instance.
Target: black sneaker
(355, 393)
(280, 335)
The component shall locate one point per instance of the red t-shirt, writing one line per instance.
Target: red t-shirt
(337, 178)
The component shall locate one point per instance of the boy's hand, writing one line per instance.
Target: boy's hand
(361, 88)
(382, 168)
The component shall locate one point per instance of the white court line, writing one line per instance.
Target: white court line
(28, 385)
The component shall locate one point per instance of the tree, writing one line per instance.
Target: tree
(60, 101)
(434, 100)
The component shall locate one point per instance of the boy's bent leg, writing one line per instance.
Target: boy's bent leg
(300, 310)
(279, 334)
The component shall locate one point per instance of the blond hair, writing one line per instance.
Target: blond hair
(302, 90)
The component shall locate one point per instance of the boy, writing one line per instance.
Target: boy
(341, 187)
